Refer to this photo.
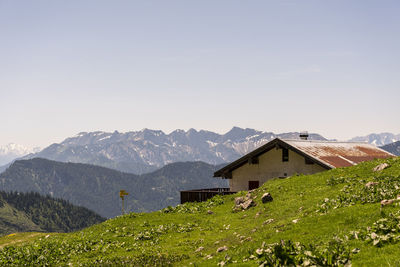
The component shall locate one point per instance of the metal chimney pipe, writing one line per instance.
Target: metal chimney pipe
(304, 135)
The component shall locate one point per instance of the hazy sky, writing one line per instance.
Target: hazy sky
(331, 67)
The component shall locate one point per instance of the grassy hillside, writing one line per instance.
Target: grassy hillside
(22, 212)
(330, 218)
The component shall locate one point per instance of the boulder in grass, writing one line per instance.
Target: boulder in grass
(381, 167)
(266, 198)
(370, 184)
(199, 249)
(386, 202)
(221, 249)
(239, 200)
(247, 204)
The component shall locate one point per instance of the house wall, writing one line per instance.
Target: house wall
(270, 166)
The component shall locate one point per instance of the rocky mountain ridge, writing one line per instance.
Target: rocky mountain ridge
(144, 151)
(393, 148)
(377, 139)
(147, 150)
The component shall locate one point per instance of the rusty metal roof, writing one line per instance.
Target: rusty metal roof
(339, 154)
(328, 154)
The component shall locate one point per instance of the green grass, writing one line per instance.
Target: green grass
(172, 236)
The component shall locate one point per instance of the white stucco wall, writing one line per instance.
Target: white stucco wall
(269, 166)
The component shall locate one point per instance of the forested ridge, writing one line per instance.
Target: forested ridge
(45, 212)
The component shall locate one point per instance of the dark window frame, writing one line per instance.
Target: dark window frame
(254, 184)
(285, 155)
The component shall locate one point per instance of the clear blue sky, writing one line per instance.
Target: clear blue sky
(331, 67)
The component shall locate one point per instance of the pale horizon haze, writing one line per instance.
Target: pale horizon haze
(328, 67)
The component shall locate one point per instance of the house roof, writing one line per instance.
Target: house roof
(328, 154)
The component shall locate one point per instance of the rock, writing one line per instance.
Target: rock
(199, 249)
(247, 204)
(248, 195)
(239, 200)
(374, 235)
(386, 202)
(221, 249)
(381, 167)
(266, 198)
(369, 184)
(210, 212)
(268, 221)
(257, 214)
(295, 221)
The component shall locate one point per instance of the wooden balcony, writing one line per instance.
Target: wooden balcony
(199, 195)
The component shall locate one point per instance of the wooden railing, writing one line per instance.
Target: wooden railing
(199, 195)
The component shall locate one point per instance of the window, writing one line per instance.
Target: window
(254, 185)
(285, 154)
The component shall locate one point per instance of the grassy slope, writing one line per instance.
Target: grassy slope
(161, 237)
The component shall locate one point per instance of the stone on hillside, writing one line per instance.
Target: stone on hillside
(239, 200)
(199, 249)
(210, 212)
(247, 204)
(221, 249)
(381, 167)
(266, 198)
(386, 202)
(268, 221)
(369, 184)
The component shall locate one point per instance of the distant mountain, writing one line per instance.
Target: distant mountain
(380, 139)
(12, 151)
(97, 187)
(24, 212)
(393, 148)
(147, 150)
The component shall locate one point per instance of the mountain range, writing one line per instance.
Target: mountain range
(97, 188)
(377, 139)
(147, 150)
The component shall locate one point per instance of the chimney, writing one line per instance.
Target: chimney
(304, 135)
